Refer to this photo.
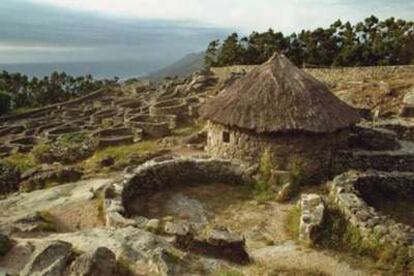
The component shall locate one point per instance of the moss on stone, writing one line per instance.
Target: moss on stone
(23, 162)
(292, 222)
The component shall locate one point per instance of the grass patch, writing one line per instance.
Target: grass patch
(48, 222)
(262, 191)
(188, 130)
(120, 153)
(292, 222)
(23, 162)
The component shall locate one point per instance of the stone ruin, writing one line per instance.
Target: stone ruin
(108, 116)
(165, 172)
(377, 163)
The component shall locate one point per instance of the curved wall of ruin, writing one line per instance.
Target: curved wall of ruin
(311, 152)
(164, 172)
(347, 193)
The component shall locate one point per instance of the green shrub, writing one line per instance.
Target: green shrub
(5, 103)
(72, 139)
(43, 153)
(292, 222)
(23, 162)
(266, 165)
(67, 149)
(262, 191)
(48, 222)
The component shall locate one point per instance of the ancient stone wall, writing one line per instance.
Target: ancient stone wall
(32, 113)
(331, 75)
(401, 160)
(311, 153)
(163, 172)
(346, 192)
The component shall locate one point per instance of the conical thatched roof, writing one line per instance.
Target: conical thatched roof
(278, 97)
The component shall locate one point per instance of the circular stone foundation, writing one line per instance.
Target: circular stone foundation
(152, 126)
(379, 205)
(117, 136)
(24, 144)
(169, 174)
(176, 107)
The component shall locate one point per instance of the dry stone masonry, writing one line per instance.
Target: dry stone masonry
(349, 192)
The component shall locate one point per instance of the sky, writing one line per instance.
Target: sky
(148, 34)
(247, 15)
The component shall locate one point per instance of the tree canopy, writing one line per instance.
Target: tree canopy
(58, 87)
(368, 43)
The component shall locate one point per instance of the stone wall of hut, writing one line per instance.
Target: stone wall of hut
(310, 153)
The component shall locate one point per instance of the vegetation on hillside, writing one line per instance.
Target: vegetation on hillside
(18, 91)
(368, 43)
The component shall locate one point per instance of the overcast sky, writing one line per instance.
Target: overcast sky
(247, 15)
(153, 33)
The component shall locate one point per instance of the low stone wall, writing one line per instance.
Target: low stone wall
(104, 114)
(152, 126)
(400, 160)
(117, 136)
(176, 107)
(404, 128)
(331, 75)
(163, 172)
(56, 132)
(23, 144)
(375, 229)
(310, 153)
(367, 138)
(43, 110)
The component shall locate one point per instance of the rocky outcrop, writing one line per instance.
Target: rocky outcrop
(99, 262)
(408, 105)
(312, 213)
(51, 259)
(5, 244)
(38, 178)
(9, 179)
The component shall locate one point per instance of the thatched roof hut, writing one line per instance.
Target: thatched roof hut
(279, 97)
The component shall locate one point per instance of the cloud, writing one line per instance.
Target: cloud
(15, 48)
(244, 15)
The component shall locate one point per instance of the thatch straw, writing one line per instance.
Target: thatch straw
(278, 97)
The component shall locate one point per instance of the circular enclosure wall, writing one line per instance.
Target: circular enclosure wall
(152, 126)
(164, 172)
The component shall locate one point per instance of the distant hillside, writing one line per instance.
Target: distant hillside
(181, 68)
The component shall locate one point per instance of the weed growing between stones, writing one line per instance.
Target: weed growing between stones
(47, 224)
(23, 162)
(292, 222)
(262, 191)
